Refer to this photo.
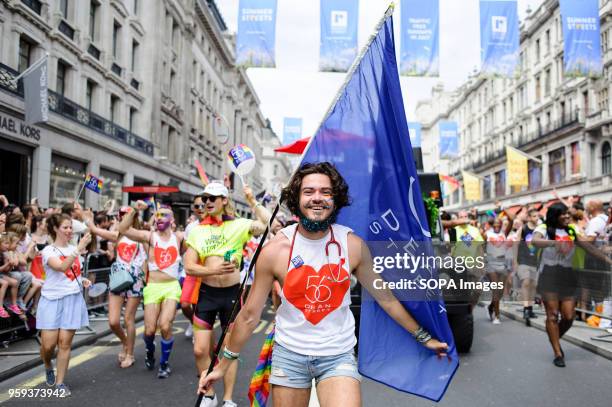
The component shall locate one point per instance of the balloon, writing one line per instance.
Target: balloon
(241, 160)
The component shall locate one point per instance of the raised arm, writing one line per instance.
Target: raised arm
(261, 213)
(125, 227)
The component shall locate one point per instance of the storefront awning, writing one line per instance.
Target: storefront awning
(150, 189)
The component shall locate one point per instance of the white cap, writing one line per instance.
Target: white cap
(216, 189)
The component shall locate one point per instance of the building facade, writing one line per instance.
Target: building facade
(564, 122)
(134, 90)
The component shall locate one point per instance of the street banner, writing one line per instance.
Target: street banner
(339, 20)
(449, 139)
(420, 38)
(415, 134)
(471, 186)
(364, 136)
(581, 38)
(451, 183)
(35, 85)
(518, 171)
(292, 129)
(256, 33)
(499, 37)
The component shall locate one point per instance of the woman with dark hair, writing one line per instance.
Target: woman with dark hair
(62, 308)
(558, 281)
(132, 256)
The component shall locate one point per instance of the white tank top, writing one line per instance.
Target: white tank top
(166, 256)
(130, 252)
(314, 317)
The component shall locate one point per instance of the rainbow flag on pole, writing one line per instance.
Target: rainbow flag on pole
(259, 389)
(93, 184)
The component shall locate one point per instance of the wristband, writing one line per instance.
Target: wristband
(228, 354)
(421, 335)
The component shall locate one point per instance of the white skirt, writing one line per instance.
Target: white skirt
(69, 312)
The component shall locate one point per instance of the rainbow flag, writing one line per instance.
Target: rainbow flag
(150, 201)
(201, 173)
(259, 389)
(93, 184)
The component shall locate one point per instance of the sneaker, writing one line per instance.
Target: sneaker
(150, 361)
(14, 309)
(3, 313)
(189, 331)
(209, 401)
(22, 305)
(63, 390)
(559, 361)
(496, 321)
(50, 374)
(229, 403)
(164, 371)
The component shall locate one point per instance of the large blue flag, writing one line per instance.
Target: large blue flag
(339, 20)
(499, 37)
(365, 135)
(581, 38)
(256, 33)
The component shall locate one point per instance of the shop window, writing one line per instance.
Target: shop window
(111, 187)
(67, 177)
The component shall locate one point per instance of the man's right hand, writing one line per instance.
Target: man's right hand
(207, 381)
(224, 268)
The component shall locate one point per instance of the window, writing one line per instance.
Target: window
(93, 11)
(538, 88)
(585, 99)
(500, 183)
(111, 187)
(575, 148)
(606, 159)
(556, 166)
(547, 41)
(114, 107)
(172, 80)
(25, 53)
(535, 175)
(175, 35)
(486, 183)
(537, 50)
(132, 119)
(64, 8)
(135, 47)
(89, 91)
(116, 35)
(66, 179)
(135, 8)
(60, 86)
(547, 82)
(603, 100)
(604, 41)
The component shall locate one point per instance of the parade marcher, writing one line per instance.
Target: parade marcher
(497, 271)
(130, 256)
(313, 342)
(162, 292)
(62, 308)
(214, 255)
(558, 281)
(526, 264)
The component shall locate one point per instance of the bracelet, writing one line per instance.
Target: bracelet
(421, 335)
(228, 354)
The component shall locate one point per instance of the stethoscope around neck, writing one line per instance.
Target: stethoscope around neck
(334, 278)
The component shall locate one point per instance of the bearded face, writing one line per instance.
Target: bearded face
(317, 209)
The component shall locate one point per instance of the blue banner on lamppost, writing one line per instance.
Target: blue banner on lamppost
(292, 129)
(256, 33)
(581, 38)
(415, 134)
(499, 37)
(420, 38)
(449, 140)
(339, 20)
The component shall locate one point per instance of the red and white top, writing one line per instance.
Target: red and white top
(130, 252)
(165, 255)
(314, 317)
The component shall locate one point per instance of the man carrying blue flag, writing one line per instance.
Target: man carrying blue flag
(315, 329)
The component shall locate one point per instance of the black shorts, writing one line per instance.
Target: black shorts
(214, 301)
(561, 282)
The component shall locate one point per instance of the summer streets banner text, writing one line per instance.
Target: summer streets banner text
(499, 37)
(256, 33)
(364, 135)
(449, 140)
(415, 134)
(292, 129)
(420, 40)
(339, 19)
(581, 38)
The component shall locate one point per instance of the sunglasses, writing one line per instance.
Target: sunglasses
(210, 198)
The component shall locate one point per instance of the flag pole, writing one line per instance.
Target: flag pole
(31, 67)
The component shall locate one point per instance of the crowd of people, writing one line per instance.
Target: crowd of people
(198, 269)
(560, 258)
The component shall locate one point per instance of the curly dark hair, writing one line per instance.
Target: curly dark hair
(291, 193)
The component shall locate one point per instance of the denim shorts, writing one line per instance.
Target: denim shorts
(291, 369)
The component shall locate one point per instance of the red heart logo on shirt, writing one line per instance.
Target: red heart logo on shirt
(73, 272)
(165, 257)
(126, 251)
(315, 293)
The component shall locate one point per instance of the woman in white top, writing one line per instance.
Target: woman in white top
(62, 309)
(496, 262)
(131, 255)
